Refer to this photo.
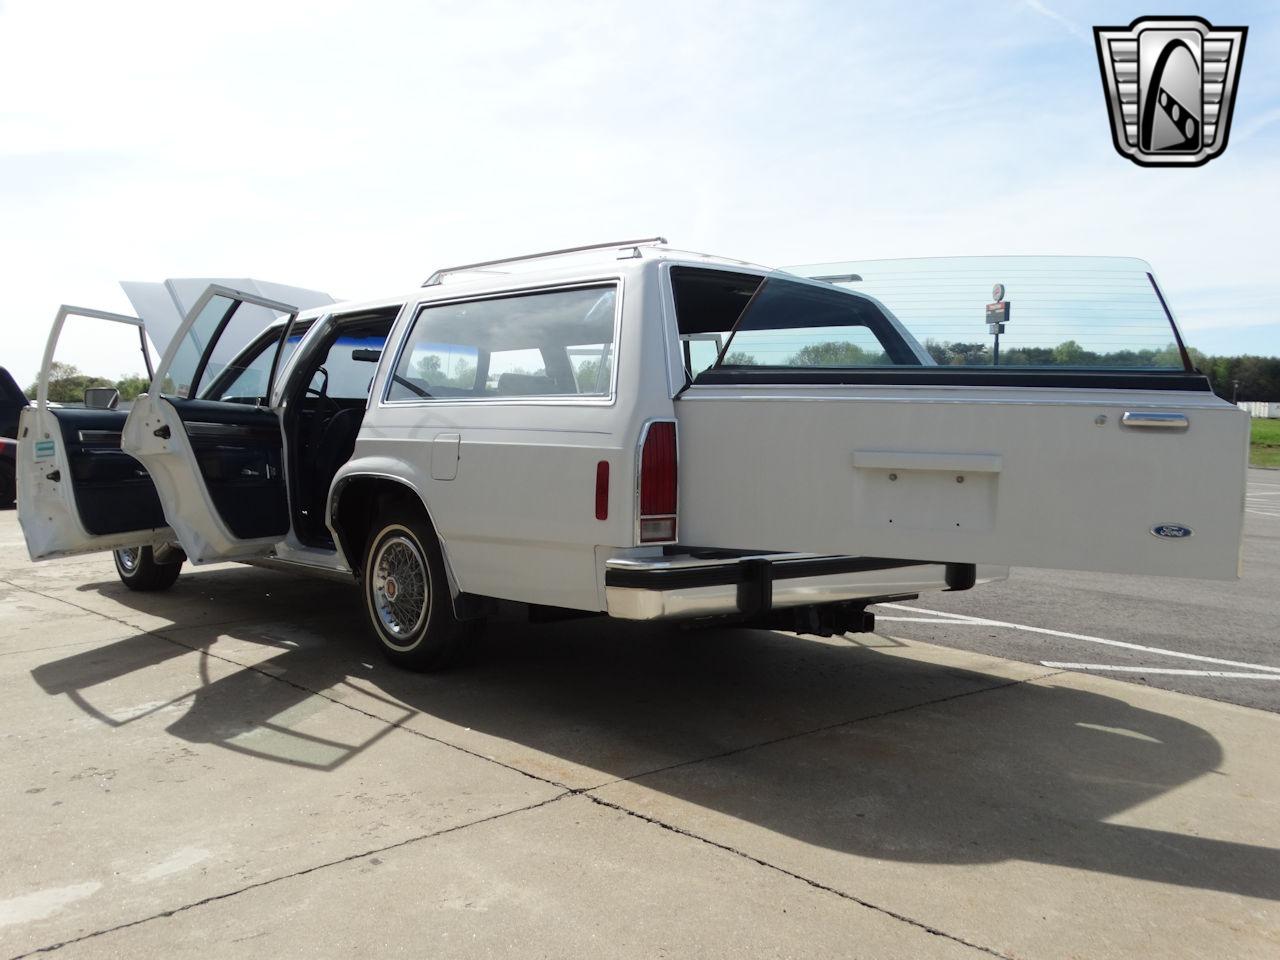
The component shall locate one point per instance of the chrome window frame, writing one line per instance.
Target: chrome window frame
(557, 400)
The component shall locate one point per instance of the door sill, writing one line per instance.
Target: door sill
(294, 566)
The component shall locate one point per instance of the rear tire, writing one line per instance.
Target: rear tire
(406, 593)
(138, 569)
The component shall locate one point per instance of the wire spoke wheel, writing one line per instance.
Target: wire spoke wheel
(406, 591)
(139, 570)
(401, 590)
(127, 558)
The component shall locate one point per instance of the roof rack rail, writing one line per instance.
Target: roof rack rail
(439, 275)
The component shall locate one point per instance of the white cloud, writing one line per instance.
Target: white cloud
(1066, 23)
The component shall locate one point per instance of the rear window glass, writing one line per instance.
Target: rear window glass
(789, 324)
(548, 343)
(1063, 312)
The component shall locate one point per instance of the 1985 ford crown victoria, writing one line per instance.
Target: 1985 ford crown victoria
(654, 435)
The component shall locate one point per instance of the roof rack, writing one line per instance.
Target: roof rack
(439, 275)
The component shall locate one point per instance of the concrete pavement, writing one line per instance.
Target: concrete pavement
(228, 770)
(1172, 622)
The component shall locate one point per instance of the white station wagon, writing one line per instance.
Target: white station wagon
(637, 431)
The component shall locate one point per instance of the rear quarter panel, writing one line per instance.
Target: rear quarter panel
(517, 521)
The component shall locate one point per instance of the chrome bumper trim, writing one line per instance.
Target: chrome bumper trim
(680, 587)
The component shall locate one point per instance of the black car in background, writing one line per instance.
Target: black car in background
(12, 400)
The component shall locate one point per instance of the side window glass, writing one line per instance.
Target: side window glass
(515, 373)
(245, 379)
(441, 365)
(592, 367)
(700, 352)
(186, 362)
(220, 336)
(552, 343)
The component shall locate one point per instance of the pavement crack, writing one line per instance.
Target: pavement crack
(107, 616)
(259, 884)
(822, 729)
(565, 792)
(817, 885)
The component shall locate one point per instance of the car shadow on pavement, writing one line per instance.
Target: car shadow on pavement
(862, 747)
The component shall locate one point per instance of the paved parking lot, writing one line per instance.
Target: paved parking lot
(228, 770)
(1219, 640)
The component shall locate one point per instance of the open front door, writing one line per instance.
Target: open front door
(207, 433)
(78, 492)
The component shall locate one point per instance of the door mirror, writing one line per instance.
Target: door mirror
(101, 398)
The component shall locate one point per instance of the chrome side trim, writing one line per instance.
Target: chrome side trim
(686, 602)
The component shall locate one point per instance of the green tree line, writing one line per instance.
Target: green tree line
(67, 384)
(1258, 378)
(1232, 378)
(1243, 378)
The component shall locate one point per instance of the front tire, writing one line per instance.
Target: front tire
(406, 594)
(138, 569)
(8, 486)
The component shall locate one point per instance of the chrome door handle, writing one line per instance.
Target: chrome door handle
(1155, 421)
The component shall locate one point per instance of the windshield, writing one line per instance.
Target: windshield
(1062, 312)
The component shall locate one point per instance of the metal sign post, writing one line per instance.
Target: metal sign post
(997, 317)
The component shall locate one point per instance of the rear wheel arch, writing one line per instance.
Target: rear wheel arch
(357, 502)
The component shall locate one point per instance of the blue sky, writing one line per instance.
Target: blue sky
(354, 147)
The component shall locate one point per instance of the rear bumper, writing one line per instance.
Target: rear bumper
(687, 586)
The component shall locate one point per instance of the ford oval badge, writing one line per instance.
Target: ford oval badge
(1171, 531)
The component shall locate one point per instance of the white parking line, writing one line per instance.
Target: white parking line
(1232, 674)
(934, 620)
(964, 619)
(1253, 503)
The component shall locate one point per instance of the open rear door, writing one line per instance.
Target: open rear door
(207, 433)
(78, 492)
(1088, 443)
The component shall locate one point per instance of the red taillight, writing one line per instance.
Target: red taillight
(602, 490)
(658, 483)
